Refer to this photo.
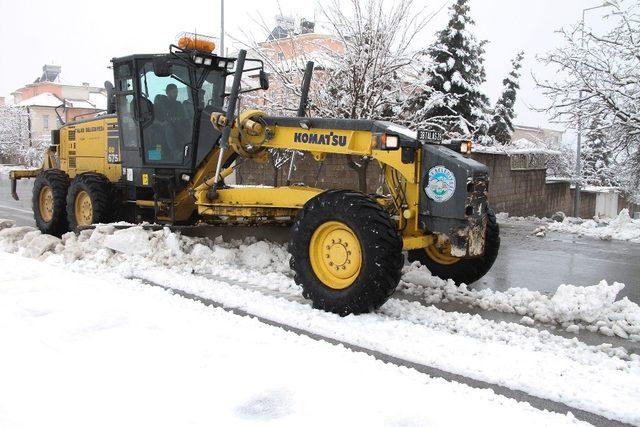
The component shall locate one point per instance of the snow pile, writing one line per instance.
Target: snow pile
(133, 249)
(573, 307)
(622, 227)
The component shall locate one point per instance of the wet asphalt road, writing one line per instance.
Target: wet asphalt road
(525, 261)
(543, 264)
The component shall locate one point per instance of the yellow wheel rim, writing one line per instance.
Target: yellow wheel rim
(45, 203)
(441, 254)
(84, 209)
(335, 255)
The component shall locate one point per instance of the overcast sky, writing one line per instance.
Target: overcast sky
(83, 35)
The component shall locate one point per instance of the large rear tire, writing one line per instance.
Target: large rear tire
(49, 202)
(346, 252)
(89, 200)
(461, 270)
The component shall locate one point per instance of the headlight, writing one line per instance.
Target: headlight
(465, 147)
(208, 61)
(389, 142)
(198, 60)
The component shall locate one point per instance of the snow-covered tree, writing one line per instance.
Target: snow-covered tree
(503, 113)
(367, 79)
(598, 167)
(454, 70)
(599, 78)
(16, 144)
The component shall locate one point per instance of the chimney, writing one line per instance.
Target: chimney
(50, 73)
(306, 26)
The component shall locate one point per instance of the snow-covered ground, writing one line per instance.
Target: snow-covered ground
(622, 227)
(79, 350)
(255, 276)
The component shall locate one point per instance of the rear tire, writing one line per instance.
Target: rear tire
(89, 200)
(367, 270)
(464, 270)
(50, 201)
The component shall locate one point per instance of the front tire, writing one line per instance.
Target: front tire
(50, 202)
(461, 270)
(89, 200)
(346, 252)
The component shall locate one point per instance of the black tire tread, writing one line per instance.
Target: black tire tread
(58, 181)
(101, 192)
(381, 245)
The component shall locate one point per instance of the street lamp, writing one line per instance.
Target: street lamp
(222, 27)
(576, 199)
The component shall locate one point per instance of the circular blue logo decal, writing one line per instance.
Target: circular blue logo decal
(441, 185)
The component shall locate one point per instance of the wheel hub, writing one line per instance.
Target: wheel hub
(46, 203)
(441, 253)
(84, 209)
(335, 254)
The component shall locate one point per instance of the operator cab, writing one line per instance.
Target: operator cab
(163, 103)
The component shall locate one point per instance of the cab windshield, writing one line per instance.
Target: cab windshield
(171, 112)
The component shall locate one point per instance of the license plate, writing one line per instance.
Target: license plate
(429, 136)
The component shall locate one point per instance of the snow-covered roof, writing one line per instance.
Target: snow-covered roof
(78, 103)
(98, 99)
(519, 146)
(598, 189)
(45, 99)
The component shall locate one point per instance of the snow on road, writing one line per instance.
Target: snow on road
(255, 276)
(80, 350)
(594, 308)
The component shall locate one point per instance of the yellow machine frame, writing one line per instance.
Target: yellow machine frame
(271, 202)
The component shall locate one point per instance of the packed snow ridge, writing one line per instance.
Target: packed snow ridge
(594, 308)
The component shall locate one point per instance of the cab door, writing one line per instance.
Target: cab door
(167, 115)
(128, 118)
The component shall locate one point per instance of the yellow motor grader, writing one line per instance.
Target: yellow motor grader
(172, 134)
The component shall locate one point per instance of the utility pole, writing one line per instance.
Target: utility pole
(576, 195)
(221, 28)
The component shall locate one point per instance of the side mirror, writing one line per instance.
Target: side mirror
(264, 80)
(111, 97)
(162, 67)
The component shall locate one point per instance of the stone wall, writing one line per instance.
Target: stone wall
(335, 173)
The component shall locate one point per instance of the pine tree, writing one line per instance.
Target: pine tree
(452, 96)
(503, 112)
(598, 167)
